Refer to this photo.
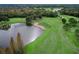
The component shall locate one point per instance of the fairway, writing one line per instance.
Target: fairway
(17, 20)
(54, 39)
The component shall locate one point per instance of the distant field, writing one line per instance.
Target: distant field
(54, 39)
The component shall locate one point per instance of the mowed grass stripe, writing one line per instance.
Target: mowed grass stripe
(53, 39)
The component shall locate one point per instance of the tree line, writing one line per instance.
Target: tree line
(28, 13)
(70, 11)
(23, 12)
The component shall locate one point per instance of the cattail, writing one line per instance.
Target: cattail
(12, 45)
(19, 43)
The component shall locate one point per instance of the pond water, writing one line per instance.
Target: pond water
(4, 39)
(28, 34)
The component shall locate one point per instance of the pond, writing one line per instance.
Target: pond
(28, 34)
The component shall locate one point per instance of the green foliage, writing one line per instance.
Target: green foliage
(50, 14)
(35, 17)
(29, 20)
(77, 34)
(77, 31)
(4, 18)
(19, 12)
(55, 14)
(39, 16)
(73, 22)
(71, 11)
(63, 20)
(4, 25)
(67, 26)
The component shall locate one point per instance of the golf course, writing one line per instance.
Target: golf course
(39, 29)
(53, 39)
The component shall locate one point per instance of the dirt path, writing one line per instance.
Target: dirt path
(37, 25)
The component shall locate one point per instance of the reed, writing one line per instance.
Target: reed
(16, 46)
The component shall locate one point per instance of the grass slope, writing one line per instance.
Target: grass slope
(54, 39)
(17, 20)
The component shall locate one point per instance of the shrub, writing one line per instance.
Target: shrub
(70, 11)
(4, 25)
(77, 33)
(34, 17)
(73, 22)
(50, 14)
(55, 14)
(63, 20)
(29, 21)
(66, 26)
(4, 18)
(39, 16)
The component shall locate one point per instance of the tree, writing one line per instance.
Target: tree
(39, 16)
(34, 17)
(4, 25)
(73, 22)
(4, 18)
(63, 20)
(29, 21)
(70, 11)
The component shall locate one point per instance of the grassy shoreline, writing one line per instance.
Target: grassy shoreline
(53, 40)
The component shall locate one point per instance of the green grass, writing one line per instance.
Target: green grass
(54, 39)
(17, 20)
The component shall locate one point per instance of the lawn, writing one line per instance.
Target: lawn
(17, 20)
(54, 39)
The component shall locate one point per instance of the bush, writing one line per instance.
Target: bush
(66, 26)
(77, 33)
(4, 25)
(34, 17)
(70, 11)
(29, 20)
(39, 16)
(55, 14)
(73, 22)
(63, 20)
(4, 18)
(50, 14)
